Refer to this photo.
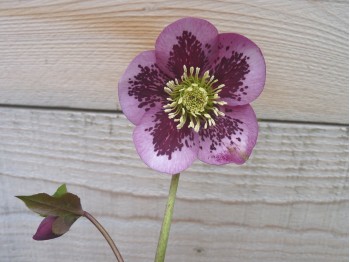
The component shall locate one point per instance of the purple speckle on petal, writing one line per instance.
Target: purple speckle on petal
(188, 51)
(232, 71)
(226, 127)
(167, 138)
(147, 87)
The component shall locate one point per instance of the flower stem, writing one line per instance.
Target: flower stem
(164, 232)
(106, 236)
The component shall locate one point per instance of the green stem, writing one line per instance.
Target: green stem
(106, 236)
(164, 232)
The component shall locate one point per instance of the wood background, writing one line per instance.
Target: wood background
(60, 62)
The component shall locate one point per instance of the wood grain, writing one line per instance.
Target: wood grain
(288, 203)
(71, 53)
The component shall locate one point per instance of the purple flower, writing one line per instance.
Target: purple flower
(189, 98)
(44, 231)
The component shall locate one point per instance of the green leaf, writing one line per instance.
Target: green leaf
(67, 204)
(63, 224)
(61, 190)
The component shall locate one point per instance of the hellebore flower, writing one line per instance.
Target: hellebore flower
(189, 98)
(44, 231)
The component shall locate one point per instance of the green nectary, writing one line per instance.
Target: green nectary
(193, 99)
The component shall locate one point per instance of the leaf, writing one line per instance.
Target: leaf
(67, 204)
(61, 190)
(63, 224)
(60, 210)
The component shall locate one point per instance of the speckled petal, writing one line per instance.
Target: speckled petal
(44, 231)
(188, 41)
(241, 67)
(141, 87)
(232, 139)
(162, 146)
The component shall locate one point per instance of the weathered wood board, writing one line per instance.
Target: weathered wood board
(71, 53)
(288, 203)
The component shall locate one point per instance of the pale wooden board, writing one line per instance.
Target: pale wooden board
(71, 53)
(288, 203)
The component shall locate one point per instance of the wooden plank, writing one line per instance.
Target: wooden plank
(288, 203)
(72, 53)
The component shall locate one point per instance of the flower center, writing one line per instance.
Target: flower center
(193, 100)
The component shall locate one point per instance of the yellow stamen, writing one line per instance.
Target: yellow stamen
(194, 99)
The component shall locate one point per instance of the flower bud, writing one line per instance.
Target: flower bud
(44, 231)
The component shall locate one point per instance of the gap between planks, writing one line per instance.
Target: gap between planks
(105, 111)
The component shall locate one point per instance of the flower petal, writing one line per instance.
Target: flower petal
(232, 139)
(241, 67)
(142, 87)
(188, 41)
(44, 231)
(162, 146)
